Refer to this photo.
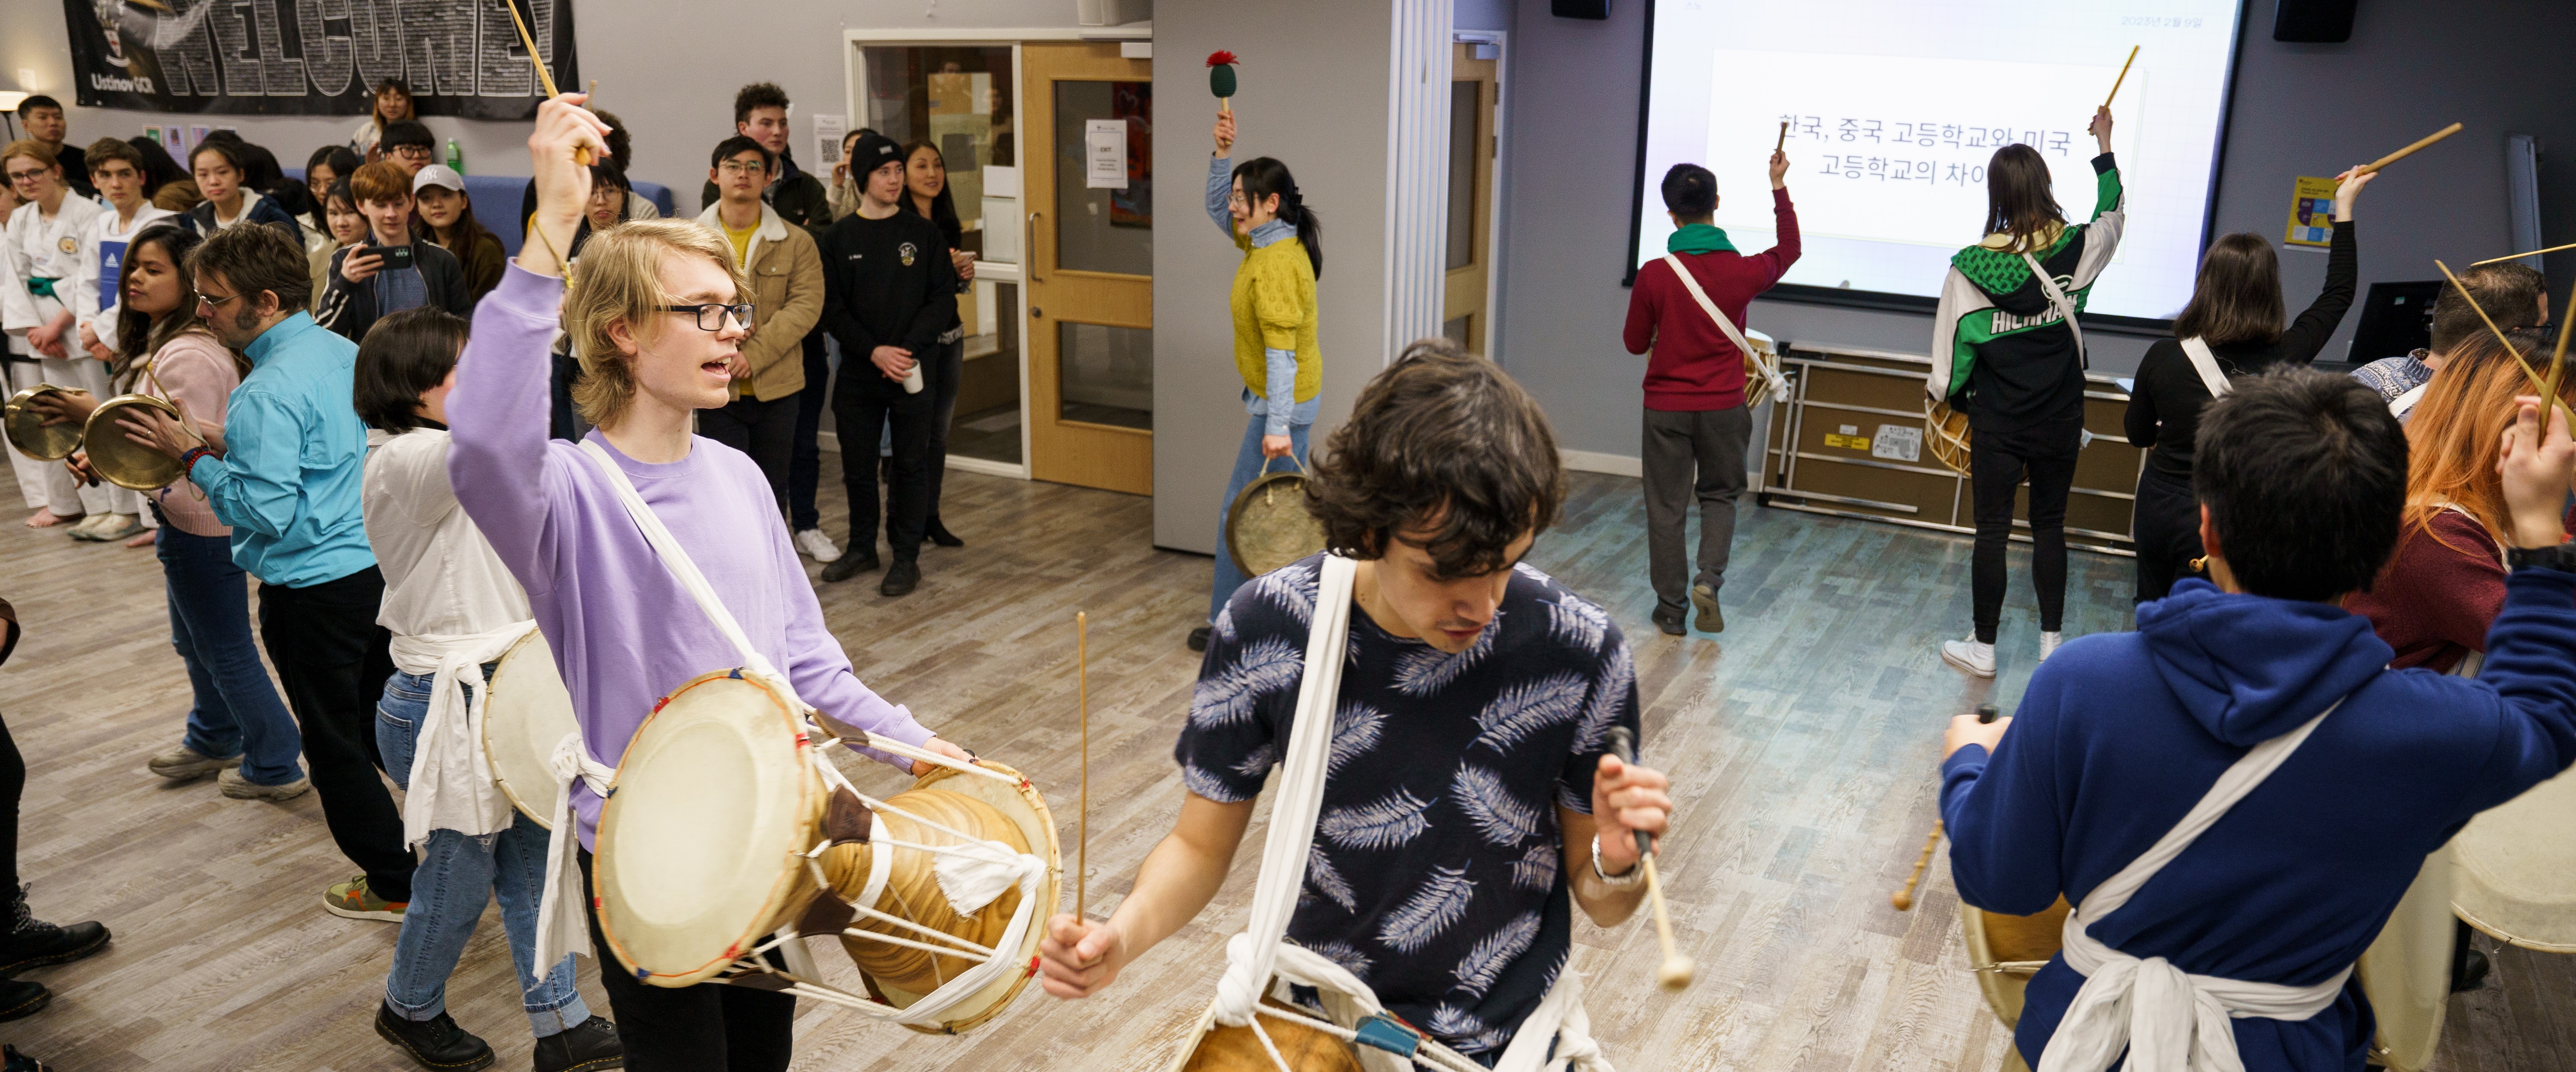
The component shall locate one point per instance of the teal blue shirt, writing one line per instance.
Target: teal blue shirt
(295, 457)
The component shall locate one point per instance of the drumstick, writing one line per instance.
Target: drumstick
(2124, 75)
(2509, 347)
(1904, 898)
(2408, 151)
(2519, 256)
(545, 78)
(1675, 972)
(1082, 827)
(1783, 143)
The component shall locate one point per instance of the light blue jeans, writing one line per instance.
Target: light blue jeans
(1247, 468)
(457, 876)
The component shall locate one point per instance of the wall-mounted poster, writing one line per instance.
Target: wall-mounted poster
(2312, 212)
(222, 57)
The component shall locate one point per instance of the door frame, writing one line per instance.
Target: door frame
(1501, 40)
(854, 81)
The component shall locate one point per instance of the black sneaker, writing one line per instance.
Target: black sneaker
(13, 1061)
(20, 999)
(940, 535)
(588, 1046)
(902, 579)
(850, 565)
(1704, 600)
(34, 943)
(1669, 619)
(1199, 637)
(437, 1043)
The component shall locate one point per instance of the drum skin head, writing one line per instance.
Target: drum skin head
(2517, 869)
(529, 710)
(1267, 525)
(698, 842)
(1026, 809)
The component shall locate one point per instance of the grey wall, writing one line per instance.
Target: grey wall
(668, 68)
(2411, 67)
(1314, 94)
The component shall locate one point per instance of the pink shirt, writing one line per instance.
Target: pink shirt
(200, 374)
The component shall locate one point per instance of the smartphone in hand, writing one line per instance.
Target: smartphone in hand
(395, 257)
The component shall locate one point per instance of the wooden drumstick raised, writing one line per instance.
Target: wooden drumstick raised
(1675, 972)
(2519, 256)
(545, 78)
(2124, 76)
(1082, 821)
(2410, 150)
(1904, 899)
(1783, 143)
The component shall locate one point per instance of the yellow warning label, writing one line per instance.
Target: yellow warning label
(1850, 442)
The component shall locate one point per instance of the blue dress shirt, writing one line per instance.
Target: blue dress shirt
(295, 457)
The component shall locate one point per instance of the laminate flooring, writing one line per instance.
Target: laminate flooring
(1803, 743)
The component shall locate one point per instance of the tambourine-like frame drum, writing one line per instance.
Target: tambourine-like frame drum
(528, 712)
(26, 429)
(1267, 525)
(122, 461)
(2516, 876)
(1945, 432)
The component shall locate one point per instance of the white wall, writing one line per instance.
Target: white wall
(2411, 67)
(667, 68)
(1313, 94)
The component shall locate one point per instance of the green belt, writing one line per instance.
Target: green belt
(42, 286)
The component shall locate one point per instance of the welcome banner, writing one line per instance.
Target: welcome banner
(315, 57)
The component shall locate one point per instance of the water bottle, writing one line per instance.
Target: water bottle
(455, 156)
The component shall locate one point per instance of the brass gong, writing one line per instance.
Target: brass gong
(27, 431)
(122, 461)
(1267, 526)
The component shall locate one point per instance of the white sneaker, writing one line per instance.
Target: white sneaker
(814, 545)
(2048, 643)
(1968, 655)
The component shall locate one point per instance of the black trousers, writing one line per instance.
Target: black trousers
(941, 376)
(2167, 532)
(863, 404)
(805, 456)
(705, 1028)
(13, 785)
(764, 430)
(1997, 464)
(560, 424)
(333, 660)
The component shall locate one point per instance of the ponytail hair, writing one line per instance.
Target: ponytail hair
(1264, 176)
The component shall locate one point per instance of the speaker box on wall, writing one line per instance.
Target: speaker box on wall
(1579, 9)
(2322, 22)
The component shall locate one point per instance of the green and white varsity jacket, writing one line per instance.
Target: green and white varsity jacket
(1997, 339)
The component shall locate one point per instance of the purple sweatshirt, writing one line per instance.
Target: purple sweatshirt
(624, 632)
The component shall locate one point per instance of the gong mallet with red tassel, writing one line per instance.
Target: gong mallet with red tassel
(1221, 79)
(1675, 973)
(1904, 899)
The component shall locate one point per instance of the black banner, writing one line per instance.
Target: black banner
(316, 57)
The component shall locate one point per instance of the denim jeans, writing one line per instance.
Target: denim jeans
(237, 710)
(457, 876)
(1247, 468)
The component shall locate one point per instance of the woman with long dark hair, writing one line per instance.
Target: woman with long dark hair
(393, 104)
(2008, 353)
(444, 214)
(169, 186)
(223, 179)
(2231, 328)
(1258, 206)
(925, 194)
(238, 728)
(327, 165)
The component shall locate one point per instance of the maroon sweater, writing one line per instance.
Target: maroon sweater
(1694, 366)
(2434, 603)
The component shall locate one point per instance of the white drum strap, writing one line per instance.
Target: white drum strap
(2205, 362)
(563, 925)
(1754, 362)
(2405, 403)
(2165, 1018)
(451, 784)
(2063, 305)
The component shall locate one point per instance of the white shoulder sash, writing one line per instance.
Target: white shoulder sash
(2204, 362)
(1754, 363)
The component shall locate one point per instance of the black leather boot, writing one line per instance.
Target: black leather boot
(34, 943)
(437, 1043)
(20, 999)
(588, 1046)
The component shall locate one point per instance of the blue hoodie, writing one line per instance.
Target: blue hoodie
(2119, 734)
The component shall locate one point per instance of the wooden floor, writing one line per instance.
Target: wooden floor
(1802, 742)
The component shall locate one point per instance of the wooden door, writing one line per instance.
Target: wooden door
(1090, 289)
(1474, 93)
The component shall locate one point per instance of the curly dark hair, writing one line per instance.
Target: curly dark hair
(1445, 452)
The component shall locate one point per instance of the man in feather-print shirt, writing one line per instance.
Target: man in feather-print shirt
(1467, 776)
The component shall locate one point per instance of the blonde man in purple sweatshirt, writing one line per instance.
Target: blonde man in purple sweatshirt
(658, 320)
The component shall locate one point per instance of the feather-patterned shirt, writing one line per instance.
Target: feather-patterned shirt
(1435, 876)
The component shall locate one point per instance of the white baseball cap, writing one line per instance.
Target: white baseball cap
(437, 175)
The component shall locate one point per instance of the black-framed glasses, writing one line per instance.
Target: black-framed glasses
(716, 311)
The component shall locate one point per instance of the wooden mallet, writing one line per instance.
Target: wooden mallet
(1675, 972)
(1082, 821)
(1904, 899)
(2124, 76)
(2410, 150)
(546, 79)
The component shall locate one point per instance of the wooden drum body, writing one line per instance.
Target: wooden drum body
(2516, 874)
(528, 713)
(1236, 1049)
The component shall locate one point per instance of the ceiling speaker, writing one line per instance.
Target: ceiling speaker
(2320, 22)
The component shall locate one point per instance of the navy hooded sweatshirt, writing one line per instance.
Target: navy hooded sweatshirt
(2120, 733)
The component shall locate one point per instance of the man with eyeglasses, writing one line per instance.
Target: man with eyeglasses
(786, 276)
(891, 292)
(408, 142)
(285, 470)
(41, 255)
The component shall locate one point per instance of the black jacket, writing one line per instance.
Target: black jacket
(2164, 406)
(887, 283)
(349, 309)
(201, 219)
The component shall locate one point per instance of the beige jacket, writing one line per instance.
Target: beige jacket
(786, 274)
